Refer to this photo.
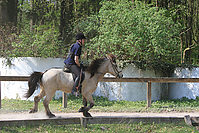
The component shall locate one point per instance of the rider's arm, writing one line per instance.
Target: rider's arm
(77, 60)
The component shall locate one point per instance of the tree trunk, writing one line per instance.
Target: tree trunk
(66, 19)
(8, 12)
(31, 19)
(62, 20)
(20, 17)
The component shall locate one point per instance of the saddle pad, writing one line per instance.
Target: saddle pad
(66, 70)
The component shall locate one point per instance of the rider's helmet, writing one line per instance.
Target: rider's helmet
(80, 36)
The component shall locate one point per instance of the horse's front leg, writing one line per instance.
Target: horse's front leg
(84, 103)
(85, 109)
(90, 99)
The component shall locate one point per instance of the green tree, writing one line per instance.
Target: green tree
(40, 34)
(186, 13)
(45, 28)
(133, 30)
(8, 21)
(8, 12)
(139, 33)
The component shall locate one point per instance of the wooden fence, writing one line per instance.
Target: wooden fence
(108, 79)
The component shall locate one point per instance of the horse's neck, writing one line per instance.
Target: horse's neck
(101, 72)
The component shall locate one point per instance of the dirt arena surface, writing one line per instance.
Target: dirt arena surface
(41, 115)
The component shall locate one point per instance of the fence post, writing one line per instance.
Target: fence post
(64, 100)
(149, 94)
(83, 122)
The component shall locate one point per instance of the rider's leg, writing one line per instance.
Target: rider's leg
(75, 87)
(76, 70)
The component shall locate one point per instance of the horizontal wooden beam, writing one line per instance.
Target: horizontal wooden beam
(84, 121)
(110, 79)
(159, 79)
(14, 78)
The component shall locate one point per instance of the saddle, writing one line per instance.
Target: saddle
(74, 77)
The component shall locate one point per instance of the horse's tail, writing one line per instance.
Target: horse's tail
(33, 83)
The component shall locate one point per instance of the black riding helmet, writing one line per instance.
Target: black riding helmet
(80, 36)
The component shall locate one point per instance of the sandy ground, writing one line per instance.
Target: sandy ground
(41, 115)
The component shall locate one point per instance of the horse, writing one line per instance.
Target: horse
(56, 79)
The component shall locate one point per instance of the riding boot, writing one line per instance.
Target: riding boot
(75, 88)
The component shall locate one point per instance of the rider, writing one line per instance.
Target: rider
(72, 61)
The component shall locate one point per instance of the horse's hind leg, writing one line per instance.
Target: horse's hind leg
(46, 105)
(36, 101)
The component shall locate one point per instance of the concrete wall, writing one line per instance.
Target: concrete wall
(189, 90)
(113, 91)
(24, 66)
(132, 91)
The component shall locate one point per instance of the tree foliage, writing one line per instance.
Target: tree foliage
(141, 30)
(139, 33)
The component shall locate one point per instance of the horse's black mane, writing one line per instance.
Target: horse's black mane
(95, 64)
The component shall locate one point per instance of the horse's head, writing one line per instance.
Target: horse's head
(113, 68)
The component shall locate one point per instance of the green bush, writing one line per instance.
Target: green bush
(37, 44)
(138, 33)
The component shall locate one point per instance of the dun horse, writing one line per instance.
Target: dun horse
(55, 79)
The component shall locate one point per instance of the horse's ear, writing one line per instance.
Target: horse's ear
(106, 58)
(109, 56)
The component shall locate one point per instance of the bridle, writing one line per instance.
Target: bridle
(114, 65)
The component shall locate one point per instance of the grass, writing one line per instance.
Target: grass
(104, 105)
(106, 128)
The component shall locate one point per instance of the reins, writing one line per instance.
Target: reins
(79, 80)
(115, 69)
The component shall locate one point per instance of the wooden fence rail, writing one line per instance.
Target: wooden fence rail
(109, 79)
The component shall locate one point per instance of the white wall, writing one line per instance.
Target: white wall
(189, 90)
(131, 91)
(24, 66)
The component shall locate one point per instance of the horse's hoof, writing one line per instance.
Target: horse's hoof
(86, 114)
(32, 111)
(50, 115)
(81, 109)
